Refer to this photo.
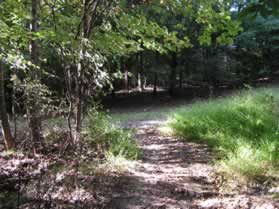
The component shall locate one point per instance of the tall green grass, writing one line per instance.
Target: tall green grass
(110, 139)
(242, 129)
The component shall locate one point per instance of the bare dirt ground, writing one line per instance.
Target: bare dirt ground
(175, 175)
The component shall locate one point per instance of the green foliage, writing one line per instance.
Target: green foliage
(257, 52)
(218, 27)
(260, 34)
(243, 129)
(104, 135)
(264, 8)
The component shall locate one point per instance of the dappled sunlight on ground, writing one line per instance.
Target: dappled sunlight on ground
(174, 175)
(170, 175)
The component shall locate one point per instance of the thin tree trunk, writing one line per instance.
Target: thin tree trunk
(113, 83)
(89, 7)
(78, 119)
(173, 75)
(35, 116)
(79, 96)
(126, 77)
(144, 82)
(113, 90)
(142, 87)
(139, 82)
(155, 84)
(85, 28)
(180, 78)
(6, 131)
(69, 95)
(14, 104)
(155, 81)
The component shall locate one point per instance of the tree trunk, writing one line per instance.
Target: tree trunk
(140, 82)
(6, 131)
(155, 84)
(79, 98)
(84, 31)
(126, 77)
(172, 81)
(180, 78)
(113, 90)
(78, 119)
(144, 82)
(90, 15)
(14, 104)
(35, 116)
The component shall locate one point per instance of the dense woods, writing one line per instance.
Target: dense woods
(62, 61)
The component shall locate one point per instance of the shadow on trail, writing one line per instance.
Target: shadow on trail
(172, 174)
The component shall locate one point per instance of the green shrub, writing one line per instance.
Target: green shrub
(242, 128)
(108, 137)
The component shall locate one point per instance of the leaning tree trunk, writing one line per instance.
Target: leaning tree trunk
(34, 108)
(6, 131)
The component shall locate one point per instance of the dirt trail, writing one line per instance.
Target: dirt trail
(173, 175)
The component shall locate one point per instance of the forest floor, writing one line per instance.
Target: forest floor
(173, 174)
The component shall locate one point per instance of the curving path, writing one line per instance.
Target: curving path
(173, 175)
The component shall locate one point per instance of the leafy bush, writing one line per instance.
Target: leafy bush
(242, 128)
(107, 137)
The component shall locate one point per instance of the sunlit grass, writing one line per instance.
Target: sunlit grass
(105, 136)
(115, 163)
(242, 129)
(166, 130)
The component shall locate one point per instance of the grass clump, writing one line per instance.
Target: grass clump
(107, 137)
(115, 163)
(243, 129)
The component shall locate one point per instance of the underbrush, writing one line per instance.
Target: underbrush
(64, 173)
(110, 139)
(242, 129)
